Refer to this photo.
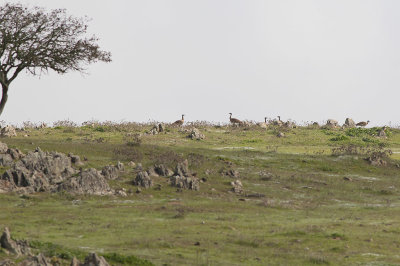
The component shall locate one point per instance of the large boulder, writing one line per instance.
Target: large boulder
(89, 181)
(8, 131)
(349, 123)
(183, 182)
(142, 179)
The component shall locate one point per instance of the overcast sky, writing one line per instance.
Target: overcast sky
(306, 60)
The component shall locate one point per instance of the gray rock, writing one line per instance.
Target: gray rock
(182, 169)
(16, 154)
(195, 134)
(110, 172)
(3, 147)
(132, 164)
(280, 135)
(152, 172)
(94, 260)
(332, 123)
(39, 260)
(161, 128)
(142, 179)
(184, 182)
(7, 263)
(16, 247)
(39, 171)
(162, 170)
(75, 159)
(6, 160)
(382, 134)
(232, 173)
(75, 262)
(237, 186)
(90, 182)
(8, 131)
(349, 123)
(120, 166)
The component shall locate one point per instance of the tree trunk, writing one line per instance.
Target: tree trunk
(4, 97)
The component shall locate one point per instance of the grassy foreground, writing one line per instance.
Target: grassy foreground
(309, 198)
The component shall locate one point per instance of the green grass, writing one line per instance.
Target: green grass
(310, 215)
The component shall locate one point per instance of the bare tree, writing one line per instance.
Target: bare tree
(35, 40)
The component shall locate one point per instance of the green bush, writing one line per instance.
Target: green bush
(339, 138)
(126, 260)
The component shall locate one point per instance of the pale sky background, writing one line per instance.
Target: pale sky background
(306, 60)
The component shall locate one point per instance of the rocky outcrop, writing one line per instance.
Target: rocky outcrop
(195, 134)
(21, 248)
(184, 182)
(3, 147)
(89, 182)
(237, 186)
(91, 260)
(8, 155)
(159, 170)
(75, 159)
(40, 171)
(39, 260)
(183, 178)
(349, 123)
(232, 173)
(332, 123)
(157, 128)
(18, 247)
(8, 131)
(142, 179)
(382, 134)
(111, 172)
(182, 169)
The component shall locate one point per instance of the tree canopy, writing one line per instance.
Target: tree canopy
(37, 41)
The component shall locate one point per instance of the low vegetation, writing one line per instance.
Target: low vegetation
(314, 196)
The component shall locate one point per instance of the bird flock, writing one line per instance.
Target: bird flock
(277, 122)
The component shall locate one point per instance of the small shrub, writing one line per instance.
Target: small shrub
(133, 140)
(339, 138)
(126, 260)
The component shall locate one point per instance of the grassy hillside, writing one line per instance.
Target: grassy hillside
(309, 197)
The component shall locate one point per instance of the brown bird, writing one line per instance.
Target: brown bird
(278, 122)
(234, 120)
(263, 124)
(179, 122)
(362, 124)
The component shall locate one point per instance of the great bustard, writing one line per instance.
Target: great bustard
(278, 122)
(234, 120)
(362, 124)
(179, 122)
(263, 124)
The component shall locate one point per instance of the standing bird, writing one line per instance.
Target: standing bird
(362, 124)
(263, 124)
(234, 120)
(179, 122)
(278, 122)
